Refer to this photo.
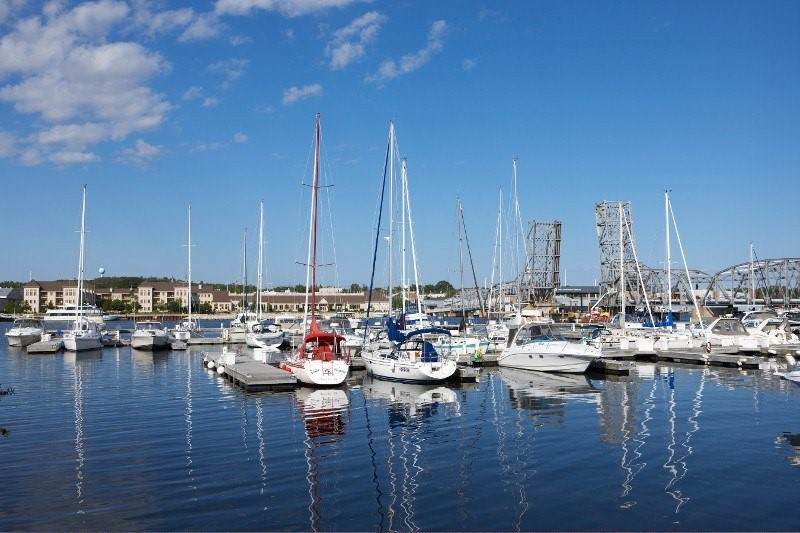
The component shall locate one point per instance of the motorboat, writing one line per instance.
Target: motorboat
(25, 332)
(729, 332)
(409, 357)
(149, 335)
(541, 347)
(186, 329)
(776, 331)
(68, 313)
(263, 335)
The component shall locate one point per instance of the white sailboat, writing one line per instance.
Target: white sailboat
(320, 360)
(406, 355)
(188, 328)
(84, 333)
(267, 337)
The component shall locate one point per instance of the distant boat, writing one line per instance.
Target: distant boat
(25, 332)
(68, 313)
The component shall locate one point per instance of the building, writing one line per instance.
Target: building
(10, 295)
(43, 295)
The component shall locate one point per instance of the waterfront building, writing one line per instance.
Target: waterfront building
(43, 295)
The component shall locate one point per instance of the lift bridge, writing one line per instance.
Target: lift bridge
(759, 282)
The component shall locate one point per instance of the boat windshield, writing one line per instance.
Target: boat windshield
(537, 333)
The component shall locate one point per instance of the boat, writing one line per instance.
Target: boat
(84, 334)
(261, 334)
(25, 332)
(541, 347)
(188, 328)
(149, 335)
(409, 357)
(67, 313)
(320, 359)
(729, 332)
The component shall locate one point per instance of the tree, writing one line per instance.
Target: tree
(205, 309)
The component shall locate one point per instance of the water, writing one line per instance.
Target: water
(122, 440)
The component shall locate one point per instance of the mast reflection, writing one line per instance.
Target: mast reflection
(325, 414)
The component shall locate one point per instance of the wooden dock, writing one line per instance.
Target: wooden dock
(49, 346)
(251, 375)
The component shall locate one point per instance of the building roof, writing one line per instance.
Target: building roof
(160, 286)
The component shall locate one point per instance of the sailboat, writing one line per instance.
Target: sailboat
(84, 333)
(267, 337)
(188, 328)
(320, 359)
(405, 355)
(514, 319)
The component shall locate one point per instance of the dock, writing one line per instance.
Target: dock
(53, 345)
(249, 374)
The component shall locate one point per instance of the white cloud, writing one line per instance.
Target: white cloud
(239, 40)
(239, 137)
(349, 43)
(84, 87)
(287, 8)
(295, 94)
(391, 69)
(232, 69)
(7, 144)
(210, 102)
(191, 25)
(141, 153)
(71, 158)
(469, 64)
(193, 93)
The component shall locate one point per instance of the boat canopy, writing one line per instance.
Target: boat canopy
(396, 336)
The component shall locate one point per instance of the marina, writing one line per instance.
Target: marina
(143, 440)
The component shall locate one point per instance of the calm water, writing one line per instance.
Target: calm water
(129, 440)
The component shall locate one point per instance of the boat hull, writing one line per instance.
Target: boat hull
(262, 340)
(318, 373)
(408, 371)
(553, 356)
(149, 342)
(23, 339)
(82, 343)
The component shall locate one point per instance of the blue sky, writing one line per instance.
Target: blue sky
(155, 104)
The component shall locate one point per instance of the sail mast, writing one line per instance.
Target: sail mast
(314, 193)
(79, 310)
(260, 260)
(189, 273)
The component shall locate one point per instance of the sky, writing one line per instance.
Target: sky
(158, 104)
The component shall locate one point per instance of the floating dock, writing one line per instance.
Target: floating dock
(249, 374)
(49, 346)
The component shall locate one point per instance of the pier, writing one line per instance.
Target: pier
(247, 373)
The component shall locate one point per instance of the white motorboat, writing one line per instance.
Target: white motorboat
(729, 332)
(775, 331)
(68, 313)
(263, 335)
(85, 331)
(541, 347)
(409, 357)
(149, 335)
(25, 332)
(320, 359)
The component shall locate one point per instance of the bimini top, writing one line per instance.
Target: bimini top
(396, 336)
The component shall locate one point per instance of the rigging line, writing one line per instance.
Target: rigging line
(377, 238)
(331, 214)
(472, 265)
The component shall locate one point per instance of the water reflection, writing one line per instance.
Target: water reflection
(793, 440)
(80, 363)
(325, 414)
(409, 408)
(546, 391)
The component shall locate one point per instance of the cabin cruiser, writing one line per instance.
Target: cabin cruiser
(262, 335)
(25, 332)
(729, 332)
(188, 328)
(542, 347)
(776, 331)
(149, 335)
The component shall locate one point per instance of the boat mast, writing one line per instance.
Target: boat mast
(517, 231)
(189, 273)
(669, 259)
(391, 207)
(621, 268)
(244, 276)
(411, 235)
(314, 193)
(403, 196)
(461, 263)
(79, 310)
(500, 233)
(752, 278)
(260, 260)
